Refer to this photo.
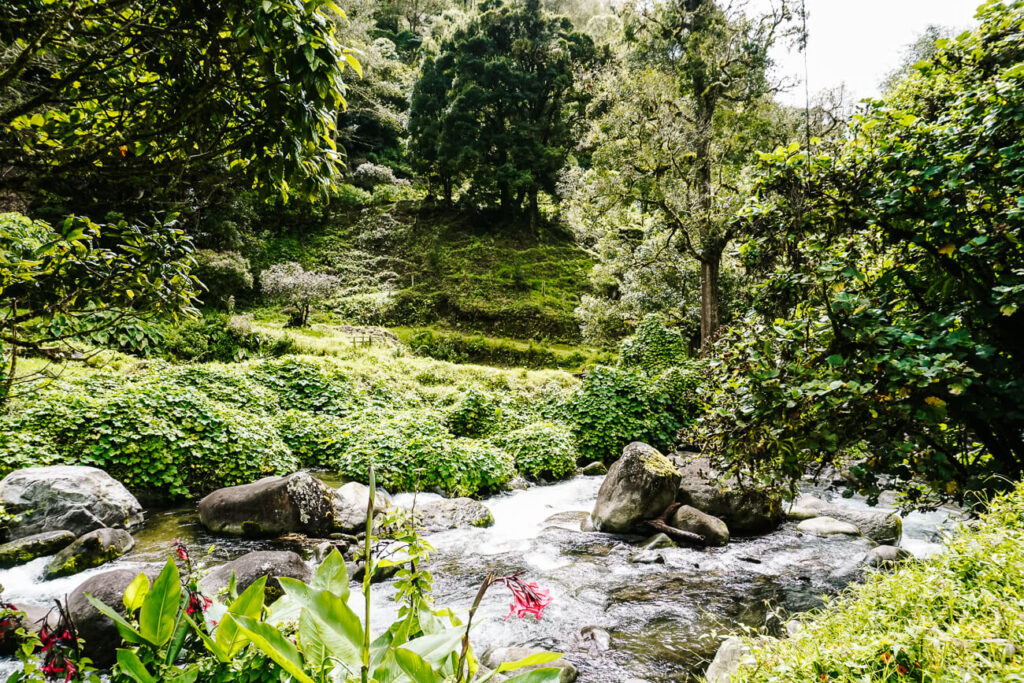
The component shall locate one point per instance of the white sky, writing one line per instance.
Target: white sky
(858, 42)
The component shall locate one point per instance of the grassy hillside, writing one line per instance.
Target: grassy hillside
(406, 265)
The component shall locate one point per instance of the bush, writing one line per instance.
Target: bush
(225, 274)
(318, 441)
(411, 451)
(654, 347)
(156, 436)
(614, 406)
(957, 617)
(290, 283)
(368, 176)
(306, 385)
(541, 450)
(216, 337)
(474, 415)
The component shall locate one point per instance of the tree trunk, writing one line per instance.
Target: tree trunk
(710, 263)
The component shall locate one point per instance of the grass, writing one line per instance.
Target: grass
(958, 617)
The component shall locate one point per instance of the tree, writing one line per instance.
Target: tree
(889, 327)
(135, 102)
(59, 287)
(700, 71)
(291, 284)
(500, 105)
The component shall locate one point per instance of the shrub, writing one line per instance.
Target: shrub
(654, 347)
(957, 617)
(541, 449)
(318, 441)
(368, 176)
(411, 451)
(225, 273)
(306, 385)
(614, 406)
(475, 414)
(158, 437)
(295, 286)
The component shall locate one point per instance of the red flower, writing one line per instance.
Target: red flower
(527, 598)
(197, 603)
(902, 670)
(123, 149)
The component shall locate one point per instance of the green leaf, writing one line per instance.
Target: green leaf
(416, 668)
(130, 663)
(342, 632)
(124, 629)
(435, 648)
(537, 676)
(156, 620)
(272, 643)
(332, 575)
(532, 660)
(248, 604)
(136, 592)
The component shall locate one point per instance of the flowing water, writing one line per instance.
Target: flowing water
(665, 619)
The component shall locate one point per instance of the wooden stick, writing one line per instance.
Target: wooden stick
(661, 524)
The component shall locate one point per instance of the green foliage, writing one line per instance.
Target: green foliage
(216, 336)
(457, 347)
(474, 415)
(224, 273)
(889, 317)
(653, 347)
(614, 406)
(952, 618)
(541, 450)
(317, 440)
(307, 385)
(461, 126)
(412, 451)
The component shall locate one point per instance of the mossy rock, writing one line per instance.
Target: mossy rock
(88, 551)
(26, 549)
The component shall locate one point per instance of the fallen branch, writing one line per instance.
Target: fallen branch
(678, 535)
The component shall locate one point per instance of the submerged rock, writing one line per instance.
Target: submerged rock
(594, 469)
(640, 485)
(497, 656)
(882, 526)
(887, 557)
(657, 542)
(88, 551)
(249, 567)
(350, 503)
(452, 513)
(99, 633)
(30, 547)
(744, 509)
(71, 498)
(271, 506)
(827, 526)
(714, 530)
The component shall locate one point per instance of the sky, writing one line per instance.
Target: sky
(858, 42)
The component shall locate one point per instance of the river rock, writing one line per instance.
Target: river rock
(452, 513)
(657, 542)
(593, 640)
(884, 527)
(732, 653)
(744, 509)
(30, 547)
(594, 469)
(271, 506)
(827, 526)
(887, 557)
(714, 530)
(71, 498)
(249, 567)
(88, 551)
(587, 524)
(99, 633)
(350, 503)
(640, 485)
(497, 656)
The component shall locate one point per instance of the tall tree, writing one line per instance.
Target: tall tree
(716, 58)
(138, 100)
(500, 106)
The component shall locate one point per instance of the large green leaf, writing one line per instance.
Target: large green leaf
(156, 620)
(342, 632)
(272, 643)
(124, 629)
(130, 664)
(136, 592)
(332, 575)
(532, 660)
(416, 668)
(437, 647)
(537, 676)
(311, 639)
(248, 604)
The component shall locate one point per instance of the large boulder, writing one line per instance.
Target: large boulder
(639, 486)
(71, 498)
(497, 656)
(88, 551)
(884, 527)
(249, 567)
(732, 654)
(350, 503)
(30, 547)
(271, 506)
(451, 513)
(744, 508)
(714, 530)
(99, 633)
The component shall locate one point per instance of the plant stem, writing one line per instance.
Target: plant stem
(367, 575)
(469, 623)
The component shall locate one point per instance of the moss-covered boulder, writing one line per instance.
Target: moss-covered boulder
(88, 551)
(26, 549)
(272, 506)
(639, 486)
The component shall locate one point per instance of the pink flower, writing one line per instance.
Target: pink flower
(527, 598)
